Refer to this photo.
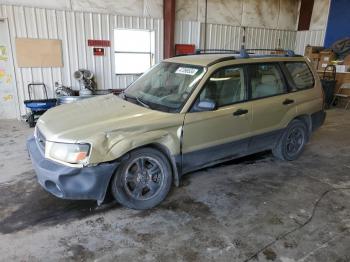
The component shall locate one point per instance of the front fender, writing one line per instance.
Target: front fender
(169, 140)
(168, 143)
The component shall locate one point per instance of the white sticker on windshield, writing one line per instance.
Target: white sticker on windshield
(186, 71)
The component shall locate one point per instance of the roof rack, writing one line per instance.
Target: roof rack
(287, 52)
(243, 53)
(215, 51)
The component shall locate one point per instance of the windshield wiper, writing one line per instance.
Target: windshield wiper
(140, 101)
(137, 99)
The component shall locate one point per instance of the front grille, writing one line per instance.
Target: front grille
(40, 139)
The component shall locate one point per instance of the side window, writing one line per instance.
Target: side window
(226, 86)
(301, 75)
(266, 80)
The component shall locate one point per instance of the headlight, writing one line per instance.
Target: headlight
(69, 153)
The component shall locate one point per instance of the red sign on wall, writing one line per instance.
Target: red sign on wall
(99, 51)
(103, 43)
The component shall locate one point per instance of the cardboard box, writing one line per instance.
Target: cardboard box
(310, 50)
(314, 56)
(326, 58)
(346, 60)
(315, 62)
(313, 53)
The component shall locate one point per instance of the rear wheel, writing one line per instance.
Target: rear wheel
(143, 179)
(292, 143)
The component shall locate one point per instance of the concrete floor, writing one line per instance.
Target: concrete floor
(225, 213)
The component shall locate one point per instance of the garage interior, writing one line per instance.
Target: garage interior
(255, 208)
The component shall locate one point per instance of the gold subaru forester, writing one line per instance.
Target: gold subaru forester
(185, 113)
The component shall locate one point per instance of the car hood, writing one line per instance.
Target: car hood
(105, 114)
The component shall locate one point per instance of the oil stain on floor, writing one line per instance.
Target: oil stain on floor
(25, 204)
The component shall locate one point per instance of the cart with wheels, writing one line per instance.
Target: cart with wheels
(39, 106)
(328, 84)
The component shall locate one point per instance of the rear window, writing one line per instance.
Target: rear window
(301, 75)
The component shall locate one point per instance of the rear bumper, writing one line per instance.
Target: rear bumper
(68, 182)
(318, 119)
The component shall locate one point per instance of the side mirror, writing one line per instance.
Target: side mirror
(206, 105)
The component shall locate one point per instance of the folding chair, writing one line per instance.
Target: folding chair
(340, 94)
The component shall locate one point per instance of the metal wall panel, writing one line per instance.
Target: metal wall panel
(74, 29)
(310, 37)
(187, 32)
(230, 37)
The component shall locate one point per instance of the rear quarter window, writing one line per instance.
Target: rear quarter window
(301, 76)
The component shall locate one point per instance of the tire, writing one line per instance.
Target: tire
(31, 120)
(292, 142)
(143, 179)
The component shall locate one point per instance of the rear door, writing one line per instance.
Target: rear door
(308, 98)
(215, 135)
(272, 105)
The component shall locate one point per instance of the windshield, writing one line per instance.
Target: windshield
(165, 87)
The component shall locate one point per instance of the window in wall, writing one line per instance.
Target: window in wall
(266, 80)
(134, 50)
(226, 86)
(301, 75)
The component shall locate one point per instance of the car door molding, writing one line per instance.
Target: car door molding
(203, 158)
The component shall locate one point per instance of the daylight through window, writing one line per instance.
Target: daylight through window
(134, 50)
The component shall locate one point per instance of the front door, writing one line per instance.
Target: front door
(7, 81)
(223, 133)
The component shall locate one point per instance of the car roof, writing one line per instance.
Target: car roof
(209, 59)
(201, 60)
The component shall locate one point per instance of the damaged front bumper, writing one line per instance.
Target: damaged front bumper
(69, 182)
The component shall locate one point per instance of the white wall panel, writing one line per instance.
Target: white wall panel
(187, 32)
(148, 8)
(60, 4)
(274, 14)
(312, 37)
(74, 29)
(230, 37)
(320, 14)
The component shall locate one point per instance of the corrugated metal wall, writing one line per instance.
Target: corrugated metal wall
(73, 28)
(230, 37)
(311, 37)
(187, 32)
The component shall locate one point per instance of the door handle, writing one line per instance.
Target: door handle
(240, 112)
(288, 101)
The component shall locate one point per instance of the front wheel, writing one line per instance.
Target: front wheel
(143, 179)
(292, 143)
